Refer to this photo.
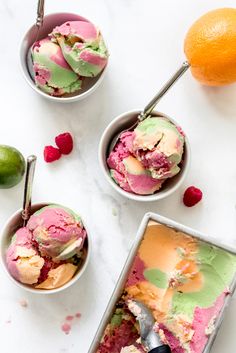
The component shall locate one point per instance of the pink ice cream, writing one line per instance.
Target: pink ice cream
(49, 250)
(144, 158)
(52, 73)
(202, 328)
(23, 260)
(82, 46)
(59, 232)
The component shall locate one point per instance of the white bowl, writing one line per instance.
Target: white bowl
(50, 22)
(10, 227)
(122, 122)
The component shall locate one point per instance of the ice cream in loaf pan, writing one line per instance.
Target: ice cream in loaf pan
(184, 282)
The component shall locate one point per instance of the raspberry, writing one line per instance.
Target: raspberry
(64, 142)
(51, 154)
(192, 196)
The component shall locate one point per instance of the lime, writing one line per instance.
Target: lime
(12, 166)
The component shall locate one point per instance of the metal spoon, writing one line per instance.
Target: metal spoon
(31, 161)
(38, 25)
(40, 16)
(151, 105)
(149, 338)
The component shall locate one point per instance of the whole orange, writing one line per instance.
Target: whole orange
(210, 47)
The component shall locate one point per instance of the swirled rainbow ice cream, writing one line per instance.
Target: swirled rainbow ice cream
(73, 51)
(49, 250)
(183, 281)
(145, 158)
(82, 46)
(52, 73)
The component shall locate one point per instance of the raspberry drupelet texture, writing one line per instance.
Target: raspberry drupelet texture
(51, 154)
(192, 196)
(64, 142)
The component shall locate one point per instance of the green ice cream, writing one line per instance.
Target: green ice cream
(52, 73)
(82, 46)
(218, 268)
(162, 143)
(58, 231)
(184, 281)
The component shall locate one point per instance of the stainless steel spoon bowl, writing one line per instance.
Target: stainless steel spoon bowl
(151, 105)
(149, 338)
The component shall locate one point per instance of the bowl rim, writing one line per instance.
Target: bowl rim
(29, 80)
(144, 198)
(74, 279)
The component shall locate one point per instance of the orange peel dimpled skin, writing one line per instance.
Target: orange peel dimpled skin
(210, 47)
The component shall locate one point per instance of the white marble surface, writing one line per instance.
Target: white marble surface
(145, 39)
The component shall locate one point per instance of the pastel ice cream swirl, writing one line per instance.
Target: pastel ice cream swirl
(23, 259)
(58, 231)
(183, 281)
(144, 158)
(49, 250)
(82, 46)
(52, 73)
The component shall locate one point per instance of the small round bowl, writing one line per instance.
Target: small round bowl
(122, 122)
(11, 226)
(50, 22)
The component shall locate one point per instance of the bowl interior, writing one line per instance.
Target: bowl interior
(124, 121)
(50, 22)
(14, 223)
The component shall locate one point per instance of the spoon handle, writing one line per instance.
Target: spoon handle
(40, 13)
(31, 161)
(149, 108)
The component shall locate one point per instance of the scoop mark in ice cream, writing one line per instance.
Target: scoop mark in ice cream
(145, 158)
(183, 281)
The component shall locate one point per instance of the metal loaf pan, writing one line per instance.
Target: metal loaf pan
(124, 274)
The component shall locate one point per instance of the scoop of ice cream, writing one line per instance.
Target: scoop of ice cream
(144, 158)
(131, 175)
(58, 276)
(52, 73)
(83, 47)
(159, 145)
(58, 231)
(23, 260)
